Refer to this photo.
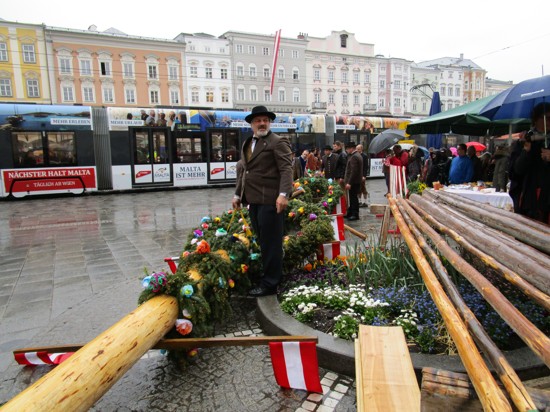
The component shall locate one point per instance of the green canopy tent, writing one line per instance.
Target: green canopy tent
(466, 120)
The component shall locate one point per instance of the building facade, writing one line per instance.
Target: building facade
(24, 65)
(333, 75)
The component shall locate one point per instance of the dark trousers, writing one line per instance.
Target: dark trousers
(353, 209)
(268, 225)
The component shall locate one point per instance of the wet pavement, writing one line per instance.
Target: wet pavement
(70, 267)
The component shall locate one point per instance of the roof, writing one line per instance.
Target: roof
(450, 61)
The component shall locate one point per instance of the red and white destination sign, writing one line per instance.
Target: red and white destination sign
(51, 180)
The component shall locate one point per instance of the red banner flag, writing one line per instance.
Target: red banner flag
(41, 358)
(295, 365)
(275, 56)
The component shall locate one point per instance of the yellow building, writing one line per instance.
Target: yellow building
(23, 64)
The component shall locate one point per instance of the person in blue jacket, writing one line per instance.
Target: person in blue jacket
(462, 169)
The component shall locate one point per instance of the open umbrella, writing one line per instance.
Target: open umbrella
(466, 120)
(518, 101)
(479, 146)
(387, 138)
(434, 140)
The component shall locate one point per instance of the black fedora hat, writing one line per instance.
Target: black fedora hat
(260, 111)
(351, 144)
(328, 147)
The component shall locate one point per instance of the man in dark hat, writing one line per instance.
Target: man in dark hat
(328, 162)
(265, 184)
(352, 179)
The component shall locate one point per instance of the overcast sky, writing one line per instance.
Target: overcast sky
(511, 40)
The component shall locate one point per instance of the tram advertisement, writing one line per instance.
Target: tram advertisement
(190, 174)
(21, 182)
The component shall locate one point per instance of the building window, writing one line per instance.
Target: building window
(240, 70)
(239, 48)
(105, 68)
(367, 77)
(3, 52)
(281, 52)
(397, 102)
(209, 97)
(267, 74)
(317, 97)
(207, 49)
(5, 88)
(382, 84)
(282, 96)
(174, 97)
(152, 72)
(130, 95)
(65, 65)
(194, 97)
(225, 97)
(88, 94)
(253, 95)
(331, 75)
(172, 72)
(68, 94)
(345, 99)
(32, 88)
(397, 84)
(223, 74)
(154, 96)
(208, 72)
(343, 40)
(252, 71)
(331, 98)
(281, 74)
(317, 75)
(356, 77)
(367, 99)
(85, 67)
(267, 96)
(295, 74)
(296, 96)
(381, 103)
(344, 77)
(265, 51)
(240, 94)
(450, 90)
(29, 55)
(251, 49)
(355, 99)
(108, 96)
(193, 72)
(295, 54)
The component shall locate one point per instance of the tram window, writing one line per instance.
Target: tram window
(141, 154)
(216, 151)
(188, 150)
(232, 143)
(61, 149)
(28, 149)
(159, 146)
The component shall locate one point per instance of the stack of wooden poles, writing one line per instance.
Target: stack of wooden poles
(516, 248)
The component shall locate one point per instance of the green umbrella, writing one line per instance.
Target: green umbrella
(466, 120)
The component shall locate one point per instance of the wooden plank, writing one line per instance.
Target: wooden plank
(388, 382)
(384, 228)
(359, 376)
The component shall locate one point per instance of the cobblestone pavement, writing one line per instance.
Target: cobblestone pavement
(70, 267)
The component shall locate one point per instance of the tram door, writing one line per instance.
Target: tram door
(151, 160)
(223, 154)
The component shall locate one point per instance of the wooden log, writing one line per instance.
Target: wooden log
(522, 259)
(187, 343)
(529, 231)
(486, 387)
(77, 383)
(443, 391)
(527, 288)
(384, 371)
(506, 373)
(360, 235)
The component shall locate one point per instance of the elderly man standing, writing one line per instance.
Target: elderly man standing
(265, 184)
(353, 179)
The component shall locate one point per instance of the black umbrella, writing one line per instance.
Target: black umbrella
(386, 139)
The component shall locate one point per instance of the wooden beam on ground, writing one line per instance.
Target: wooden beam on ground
(490, 394)
(77, 383)
(188, 343)
(384, 227)
(385, 375)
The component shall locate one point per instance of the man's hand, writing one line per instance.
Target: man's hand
(236, 203)
(282, 203)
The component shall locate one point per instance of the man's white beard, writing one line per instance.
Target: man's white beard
(262, 133)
